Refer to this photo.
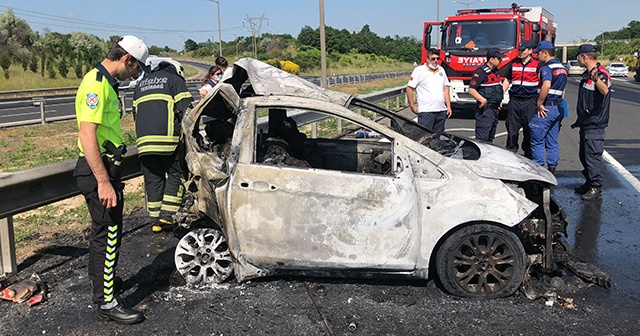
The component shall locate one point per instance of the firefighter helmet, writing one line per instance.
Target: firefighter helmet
(179, 68)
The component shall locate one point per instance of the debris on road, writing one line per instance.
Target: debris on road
(32, 290)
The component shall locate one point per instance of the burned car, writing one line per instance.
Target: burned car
(296, 179)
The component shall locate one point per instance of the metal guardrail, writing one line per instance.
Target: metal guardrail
(29, 189)
(43, 98)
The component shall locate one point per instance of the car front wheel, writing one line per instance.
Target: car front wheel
(481, 260)
(203, 257)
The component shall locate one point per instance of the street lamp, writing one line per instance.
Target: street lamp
(219, 31)
(466, 3)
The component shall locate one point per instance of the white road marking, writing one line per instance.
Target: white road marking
(622, 170)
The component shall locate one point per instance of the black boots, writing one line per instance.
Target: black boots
(583, 188)
(120, 315)
(594, 193)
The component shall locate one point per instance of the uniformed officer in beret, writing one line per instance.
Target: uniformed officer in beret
(486, 88)
(594, 100)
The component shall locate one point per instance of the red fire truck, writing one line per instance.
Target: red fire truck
(467, 35)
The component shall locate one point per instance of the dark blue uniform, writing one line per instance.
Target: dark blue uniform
(545, 130)
(593, 118)
(489, 85)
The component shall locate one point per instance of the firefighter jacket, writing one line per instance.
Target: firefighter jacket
(524, 78)
(159, 100)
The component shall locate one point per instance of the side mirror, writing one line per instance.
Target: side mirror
(535, 27)
(427, 36)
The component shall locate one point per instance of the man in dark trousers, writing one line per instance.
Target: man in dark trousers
(486, 88)
(522, 74)
(98, 115)
(159, 101)
(594, 99)
(545, 125)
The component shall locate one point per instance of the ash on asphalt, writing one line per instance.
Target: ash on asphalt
(278, 306)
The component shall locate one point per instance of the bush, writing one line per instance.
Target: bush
(290, 67)
(63, 67)
(344, 60)
(308, 59)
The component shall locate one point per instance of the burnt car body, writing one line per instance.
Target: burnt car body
(374, 194)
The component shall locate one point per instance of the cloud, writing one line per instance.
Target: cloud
(71, 15)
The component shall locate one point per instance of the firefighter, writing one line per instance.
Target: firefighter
(159, 101)
(486, 88)
(545, 125)
(522, 74)
(98, 115)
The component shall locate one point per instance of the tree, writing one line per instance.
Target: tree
(16, 38)
(190, 45)
(309, 37)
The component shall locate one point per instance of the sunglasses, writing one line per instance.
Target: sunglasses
(434, 58)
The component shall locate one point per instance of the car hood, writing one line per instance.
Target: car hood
(262, 75)
(499, 163)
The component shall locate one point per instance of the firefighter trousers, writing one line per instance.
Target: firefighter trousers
(105, 235)
(163, 179)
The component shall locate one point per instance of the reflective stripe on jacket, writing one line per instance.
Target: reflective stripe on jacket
(159, 100)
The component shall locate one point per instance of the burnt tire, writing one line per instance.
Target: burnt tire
(481, 260)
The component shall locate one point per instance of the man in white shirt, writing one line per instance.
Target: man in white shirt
(432, 86)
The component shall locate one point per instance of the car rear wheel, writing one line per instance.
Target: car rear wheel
(481, 260)
(203, 257)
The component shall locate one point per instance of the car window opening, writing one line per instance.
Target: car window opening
(355, 149)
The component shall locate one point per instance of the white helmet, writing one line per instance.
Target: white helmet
(179, 68)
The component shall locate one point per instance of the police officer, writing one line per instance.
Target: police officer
(159, 101)
(545, 125)
(522, 74)
(98, 114)
(486, 88)
(594, 98)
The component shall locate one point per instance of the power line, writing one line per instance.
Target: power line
(255, 24)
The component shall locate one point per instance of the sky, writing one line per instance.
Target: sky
(170, 22)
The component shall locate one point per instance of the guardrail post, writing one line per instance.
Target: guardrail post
(7, 247)
(124, 107)
(43, 119)
(386, 103)
(397, 103)
(339, 126)
(314, 130)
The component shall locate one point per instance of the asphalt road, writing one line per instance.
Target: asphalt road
(603, 232)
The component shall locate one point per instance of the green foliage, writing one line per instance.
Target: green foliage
(190, 45)
(63, 67)
(308, 59)
(77, 69)
(33, 64)
(51, 71)
(344, 60)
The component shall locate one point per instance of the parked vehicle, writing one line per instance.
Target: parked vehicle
(467, 35)
(575, 69)
(618, 69)
(265, 197)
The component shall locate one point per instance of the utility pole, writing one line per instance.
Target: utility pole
(219, 31)
(323, 48)
(255, 24)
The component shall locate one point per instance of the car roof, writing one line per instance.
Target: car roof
(267, 80)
